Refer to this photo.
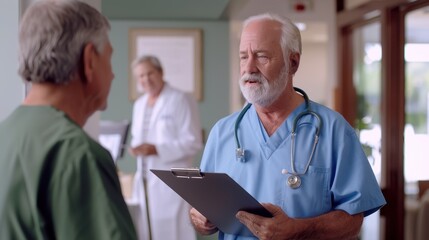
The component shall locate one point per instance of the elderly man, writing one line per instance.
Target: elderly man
(302, 160)
(55, 181)
(166, 133)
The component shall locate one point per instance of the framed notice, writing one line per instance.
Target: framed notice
(180, 53)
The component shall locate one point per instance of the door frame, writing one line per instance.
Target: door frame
(391, 15)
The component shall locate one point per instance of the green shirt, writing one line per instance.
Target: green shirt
(56, 182)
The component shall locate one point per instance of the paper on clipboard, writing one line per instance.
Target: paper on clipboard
(215, 195)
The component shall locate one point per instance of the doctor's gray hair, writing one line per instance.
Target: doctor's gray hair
(290, 40)
(52, 37)
(148, 58)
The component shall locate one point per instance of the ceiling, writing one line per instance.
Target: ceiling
(165, 9)
(216, 10)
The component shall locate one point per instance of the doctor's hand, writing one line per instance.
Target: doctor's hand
(201, 223)
(280, 226)
(144, 149)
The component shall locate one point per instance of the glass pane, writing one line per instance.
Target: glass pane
(416, 136)
(367, 83)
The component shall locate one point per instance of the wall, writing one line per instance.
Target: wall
(312, 73)
(215, 103)
(350, 4)
(11, 86)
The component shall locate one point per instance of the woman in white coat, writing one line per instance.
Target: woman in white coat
(166, 133)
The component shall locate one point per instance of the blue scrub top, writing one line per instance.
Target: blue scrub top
(338, 178)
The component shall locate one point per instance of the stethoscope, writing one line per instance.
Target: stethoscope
(294, 180)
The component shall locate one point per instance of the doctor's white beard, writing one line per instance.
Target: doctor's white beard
(266, 93)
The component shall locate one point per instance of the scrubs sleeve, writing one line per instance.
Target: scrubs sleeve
(354, 187)
(208, 160)
(85, 197)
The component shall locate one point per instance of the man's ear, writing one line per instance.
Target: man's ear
(294, 59)
(88, 62)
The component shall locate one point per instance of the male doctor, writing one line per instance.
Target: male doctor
(302, 160)
(166, 133)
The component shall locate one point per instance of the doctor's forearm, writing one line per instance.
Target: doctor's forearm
(333, 225)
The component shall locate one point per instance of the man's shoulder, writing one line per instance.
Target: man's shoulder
(325, 111)
(332, 120)
(78, 143)
(52, 131)
(227, 121)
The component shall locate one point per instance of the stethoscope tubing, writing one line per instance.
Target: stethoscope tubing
(240, 152)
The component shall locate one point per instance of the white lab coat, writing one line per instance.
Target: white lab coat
(175, 130)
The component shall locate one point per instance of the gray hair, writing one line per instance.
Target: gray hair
(290, 40)
(148, 58)
(52, 37)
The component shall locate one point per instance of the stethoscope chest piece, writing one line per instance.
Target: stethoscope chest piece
(239, 153)
(294, 181)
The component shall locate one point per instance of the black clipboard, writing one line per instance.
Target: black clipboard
(215, 195)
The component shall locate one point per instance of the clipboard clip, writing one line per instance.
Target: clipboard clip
(187, 173)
